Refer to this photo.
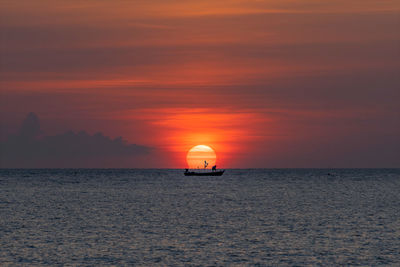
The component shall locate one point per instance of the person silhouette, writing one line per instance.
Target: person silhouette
(205, 164)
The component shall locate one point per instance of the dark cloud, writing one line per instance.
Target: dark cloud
(30, 148)
(30, 127)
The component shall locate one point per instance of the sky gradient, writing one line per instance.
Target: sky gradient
(265, 83)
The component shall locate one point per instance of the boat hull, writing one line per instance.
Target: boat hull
(214, 173)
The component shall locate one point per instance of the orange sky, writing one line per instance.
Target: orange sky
(265, 83)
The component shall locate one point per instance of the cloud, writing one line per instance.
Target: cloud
(30, 148)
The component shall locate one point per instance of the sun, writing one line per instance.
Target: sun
(200, 157)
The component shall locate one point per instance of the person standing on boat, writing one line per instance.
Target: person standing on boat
(214, 168)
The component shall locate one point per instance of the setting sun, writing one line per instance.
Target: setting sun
(200, 157)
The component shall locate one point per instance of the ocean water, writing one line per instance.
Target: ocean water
(257, 217)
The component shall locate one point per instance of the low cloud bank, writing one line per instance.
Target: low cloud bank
(30, 148)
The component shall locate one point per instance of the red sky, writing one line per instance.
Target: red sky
(266, 83)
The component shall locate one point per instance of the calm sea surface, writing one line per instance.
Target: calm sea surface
(292, 217)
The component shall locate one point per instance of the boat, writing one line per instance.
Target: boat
(204, 173)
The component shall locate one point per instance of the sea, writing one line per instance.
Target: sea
(159, 217)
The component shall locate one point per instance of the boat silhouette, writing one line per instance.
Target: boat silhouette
(204, 173)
